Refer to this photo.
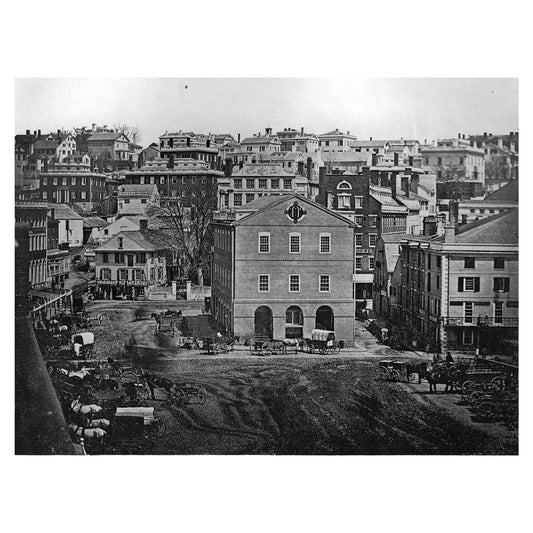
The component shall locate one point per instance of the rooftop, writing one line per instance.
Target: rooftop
(64, 212)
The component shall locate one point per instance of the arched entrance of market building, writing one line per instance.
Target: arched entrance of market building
(325, 318)
(294, 323)
(263, 323)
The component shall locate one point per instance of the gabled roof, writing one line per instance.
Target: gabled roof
(262, 169)
(94, 222)
(134, 240)
(498, 229)
(136, 189)
(45, 144)
(391, 246)
(106, 136)
(64, 212)
(261, 139)
(268, 202)
(507, 193)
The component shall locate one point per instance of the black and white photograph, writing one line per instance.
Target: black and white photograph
(188, 287)
(265, 269)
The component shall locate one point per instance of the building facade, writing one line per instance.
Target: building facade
(137, 199)
(294, 262)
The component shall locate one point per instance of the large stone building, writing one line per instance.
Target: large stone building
(336, 140)
(283, 268)
(189, 145)
(460, 290)
(137, 199)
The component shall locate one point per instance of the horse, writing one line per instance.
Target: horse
(417, 367)
(77, 407)
(439, 375)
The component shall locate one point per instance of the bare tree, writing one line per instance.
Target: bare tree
(452, 182)
(133, 133)
(497, 167)
(186, 217)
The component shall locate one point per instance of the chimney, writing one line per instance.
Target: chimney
(238, 137)
(394, 185)
(268, 131)
(39, 133)
(309, 167)
(35, 133)
(485, 135)
(405, 185)
(143, 224)
(348, 132)
(28, 132)
(411, 161)
(374, 159)
(301, 165)
(430, 226)
(370, 138)
(395, 159)
(458, 135)
(58, 134)
(228, 167)
(302, 130)
(453, 218)
(93, 127)
(500, 142)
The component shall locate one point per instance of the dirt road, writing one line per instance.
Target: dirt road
(303, 405)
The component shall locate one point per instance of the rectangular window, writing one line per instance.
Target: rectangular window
(237, 199)
(358, 263)
(250, 198)
(501, 284)
(105, 257)
(45, 195)
(73, 181)
(138, 274)
(274, 183)
(294, 283)
(45, 181)
(287, 183)
(343, 201)
(372, 239)
(359, 239)
(372, 221)
(469, 284)
(123, 274)
(429, 282)
(438, 282)
(250, 184)
(498, 312)
(323, 285)
(469, 312)
(371, 263)
(325, 243)
(439, 261)
(83, 195)
(358, 202)
(105, 274)
(359, 220)
(499, 263)
(263, 283)
(264, 243)
(237, 183)
(262, 183)
(429, 261)
(468, 336)
(84, 181)
(294, 243)
(143, 200)
(470, 262)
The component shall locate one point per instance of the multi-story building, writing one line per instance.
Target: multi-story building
(34, 215)
(459, 166)
(130, 264)
(460, 290)
(501, 155)
(70, 225)
(294, 262)
(73, 186)
(297, 141)
(109, 150)
(255, 180)
(137, 199)
(189, 145)
(336, 140)
(57, 146)
(261, 143)
(126, 223)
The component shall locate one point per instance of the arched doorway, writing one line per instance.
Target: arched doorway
(263, 324)
(325, 318)
(294, 323)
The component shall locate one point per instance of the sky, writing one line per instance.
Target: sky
(389, 108)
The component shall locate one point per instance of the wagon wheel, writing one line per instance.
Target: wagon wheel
(474, 397)
(158, 428)
(497, 382)
(116, 372)
(411, 376)
(129, 375)
(466, 388)
(486, 411)
(394, 375)
(335, 349)
(176, 396)
(201, 396)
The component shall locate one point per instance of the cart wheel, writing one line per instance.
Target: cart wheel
(115, 372)
(412, 376)
(394, 375)
(466, 388)
(336, 349)
(176, 396)
(202, 396)
(486, 411)
(129, 375)
(159, 426)
(474, 397)
(497, 383)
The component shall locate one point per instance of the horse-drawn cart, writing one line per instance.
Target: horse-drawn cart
(322, 341)
(83, 344)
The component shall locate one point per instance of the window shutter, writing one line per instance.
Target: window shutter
(506, 285)
(476, 284)
(495, 287)
(460, 284)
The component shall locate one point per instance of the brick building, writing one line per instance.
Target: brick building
(294, 262)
